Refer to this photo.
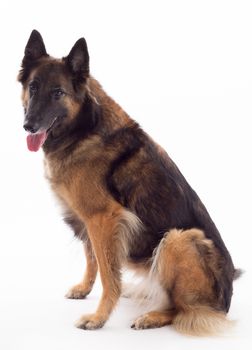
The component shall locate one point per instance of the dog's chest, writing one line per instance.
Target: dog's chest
(55, 172)
(80, 188)
(48, 170)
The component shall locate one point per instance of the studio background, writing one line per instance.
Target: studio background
(183, 70)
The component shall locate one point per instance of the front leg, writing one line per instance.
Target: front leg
(82, 289)
(103, 231)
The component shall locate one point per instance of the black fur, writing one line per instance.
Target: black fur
(161, 197)
(131, 145)
(140, 175)
(76, 225)
(34, 51)
(78, 63)
(85, 124)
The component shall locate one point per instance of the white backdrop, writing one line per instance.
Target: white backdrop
(183, 70)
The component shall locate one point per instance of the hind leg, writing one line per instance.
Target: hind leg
(154, 319)
(182, 269)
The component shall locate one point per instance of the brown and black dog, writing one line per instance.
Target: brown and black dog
(123, 196)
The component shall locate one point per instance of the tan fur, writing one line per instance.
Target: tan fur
(115, 116)
(105, 219)
(106, 231)
(25, 97)
(103, 231)
(81, 173)
(72, 106)
(154, 319)
(82, 289)
(109, 226)
(177, 267)
(177, 252)
(201, 321)
(128, 226)
(181, 271)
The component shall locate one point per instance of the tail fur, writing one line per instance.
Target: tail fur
(201, 321)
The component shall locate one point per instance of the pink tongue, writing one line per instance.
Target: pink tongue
(35, 141)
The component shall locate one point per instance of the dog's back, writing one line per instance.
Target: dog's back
(145, 180)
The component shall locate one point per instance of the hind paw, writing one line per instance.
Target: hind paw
(153, 319)
(144, 322)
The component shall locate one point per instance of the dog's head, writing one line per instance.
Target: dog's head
(52, 88)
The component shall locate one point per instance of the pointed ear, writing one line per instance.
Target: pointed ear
(35, 47)
(78, 60)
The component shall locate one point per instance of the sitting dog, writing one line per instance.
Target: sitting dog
(123, 196)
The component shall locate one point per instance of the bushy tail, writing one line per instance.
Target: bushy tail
(201, 321)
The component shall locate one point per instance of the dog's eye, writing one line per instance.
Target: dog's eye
(33, 87)
(57, 93)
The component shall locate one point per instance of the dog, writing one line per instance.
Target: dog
(124, 198)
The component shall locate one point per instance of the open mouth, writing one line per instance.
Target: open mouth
(36, 141)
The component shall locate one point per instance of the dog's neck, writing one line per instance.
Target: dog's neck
(114, 117)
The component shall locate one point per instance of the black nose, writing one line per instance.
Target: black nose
(31, 127)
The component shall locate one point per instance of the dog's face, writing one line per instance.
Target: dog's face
(52, 88)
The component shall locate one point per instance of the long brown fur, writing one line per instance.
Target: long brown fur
(124, 198)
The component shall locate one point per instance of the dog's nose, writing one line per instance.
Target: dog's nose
(31, 128)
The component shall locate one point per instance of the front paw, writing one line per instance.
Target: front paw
(77, 292)
(90, 322)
